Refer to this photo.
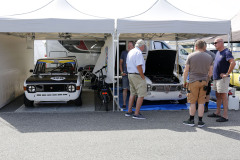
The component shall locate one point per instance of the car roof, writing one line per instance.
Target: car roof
(58, 58)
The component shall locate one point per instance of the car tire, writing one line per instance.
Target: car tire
(182, 101)
(27, 102)
(78, 101)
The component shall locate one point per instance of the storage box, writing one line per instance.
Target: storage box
(233, 102)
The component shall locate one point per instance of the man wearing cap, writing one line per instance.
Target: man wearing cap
(138, 85)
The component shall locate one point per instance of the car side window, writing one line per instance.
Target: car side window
(164, 46)
(157, 45)
(183, 52)
(160, 45)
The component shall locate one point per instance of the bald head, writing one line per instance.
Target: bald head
(219, 44)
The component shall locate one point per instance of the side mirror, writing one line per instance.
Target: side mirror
(31, 70)
(80, 69)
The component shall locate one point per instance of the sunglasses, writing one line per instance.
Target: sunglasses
(215, 43)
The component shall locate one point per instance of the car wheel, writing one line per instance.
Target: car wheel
(78, 101)
(27, 102)
(182, 101)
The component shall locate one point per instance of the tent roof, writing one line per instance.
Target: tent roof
(163, 17)
(56, 16)
(235, 38)
(235, 21)
(235, 24)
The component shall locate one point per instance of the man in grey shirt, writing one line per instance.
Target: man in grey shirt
(209, 81)
(199, 66)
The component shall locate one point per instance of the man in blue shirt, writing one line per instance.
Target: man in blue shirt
(223, 66)
(123, 69)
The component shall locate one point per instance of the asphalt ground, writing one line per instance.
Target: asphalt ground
(111, 135)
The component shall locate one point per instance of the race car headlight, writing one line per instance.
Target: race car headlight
(71, 88)
(183, 91)
(31, 88)
(148, 87)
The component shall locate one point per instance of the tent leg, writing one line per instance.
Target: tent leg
(177, 48)
(116, 98)
(113, 67)
(118, 70)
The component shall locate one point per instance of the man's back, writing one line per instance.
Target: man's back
(199, 63)
(135, 58)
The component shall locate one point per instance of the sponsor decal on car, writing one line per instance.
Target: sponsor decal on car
(57, 78)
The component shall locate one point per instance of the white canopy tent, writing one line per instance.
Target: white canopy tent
(164, 21)
(163, 17)
(59, 20)
(235, 23)
(235, 35)
(56, 16)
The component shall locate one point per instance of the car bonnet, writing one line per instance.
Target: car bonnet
(160, 62)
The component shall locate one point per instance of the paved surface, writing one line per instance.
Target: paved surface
(110, 135)
(45, 133)
(62, 107)
(90, 102)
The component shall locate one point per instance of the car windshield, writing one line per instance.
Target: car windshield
(184, 52)
(55, 67)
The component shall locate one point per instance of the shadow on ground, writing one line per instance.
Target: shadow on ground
(114, 121)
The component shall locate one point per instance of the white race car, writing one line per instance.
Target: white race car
(54, 79)
(162, 82)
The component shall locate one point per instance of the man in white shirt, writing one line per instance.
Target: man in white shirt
(138, 85)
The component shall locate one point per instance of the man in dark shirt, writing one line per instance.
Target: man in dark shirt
(209, 81)
(124, 73)
(223, 66)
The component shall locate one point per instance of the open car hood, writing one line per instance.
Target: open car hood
(160, 62)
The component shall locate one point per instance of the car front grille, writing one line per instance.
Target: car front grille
(164, 88)
(51, 88)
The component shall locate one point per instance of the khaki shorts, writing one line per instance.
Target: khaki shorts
(138, 86)
(196, 92)
(221, 85)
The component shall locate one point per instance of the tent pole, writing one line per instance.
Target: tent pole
(116, 97)
(118, 70)
(177, 48)
(113, 67)
(230, 40)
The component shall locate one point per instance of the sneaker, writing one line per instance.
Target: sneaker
(189, 122)
(201, 124)
(140, 116)
(222, 119)
(127, 114)
(214, 115)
